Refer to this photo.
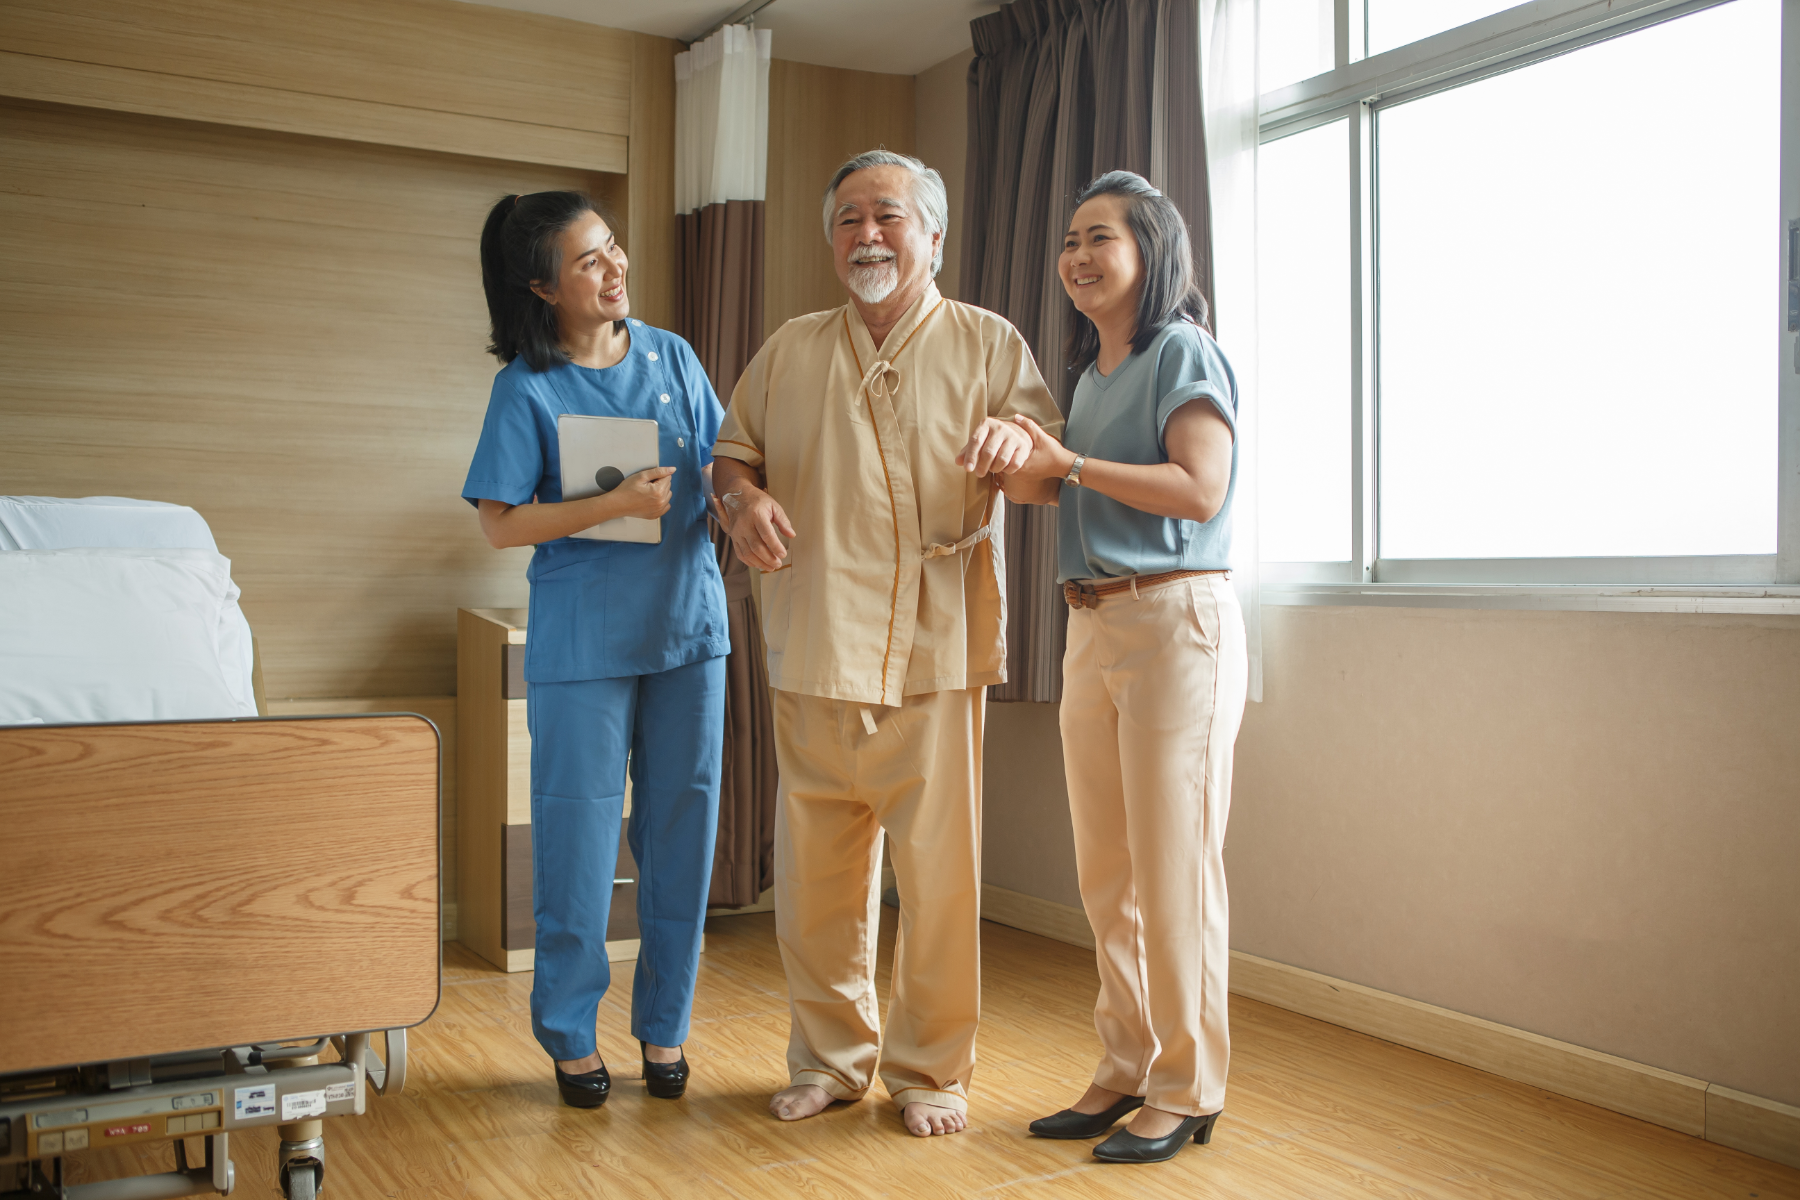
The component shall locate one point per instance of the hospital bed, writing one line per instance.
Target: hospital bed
(209, 920)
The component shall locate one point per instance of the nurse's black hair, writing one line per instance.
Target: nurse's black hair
(1170, 293)
(521, 242)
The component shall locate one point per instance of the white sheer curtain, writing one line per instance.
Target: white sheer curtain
(1229, 96)
(722, 119)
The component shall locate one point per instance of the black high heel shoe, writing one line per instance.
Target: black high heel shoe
(665, 1081)
(1071, 1124)
(586, 1090)
(1127, 1147)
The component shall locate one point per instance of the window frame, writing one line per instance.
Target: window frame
(1357, 88)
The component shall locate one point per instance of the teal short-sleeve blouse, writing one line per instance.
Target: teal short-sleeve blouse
(1120, 418)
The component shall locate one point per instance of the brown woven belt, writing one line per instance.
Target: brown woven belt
(1089, 595)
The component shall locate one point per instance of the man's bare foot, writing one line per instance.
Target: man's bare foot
(923, 1120)
(579, 1066)
(799, 1102)
(1096, 1100)
(662, 1054)
(1154, 1122)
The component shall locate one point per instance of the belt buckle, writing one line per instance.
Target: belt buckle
(1078, 597)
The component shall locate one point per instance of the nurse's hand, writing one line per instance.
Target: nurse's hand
(645, 494)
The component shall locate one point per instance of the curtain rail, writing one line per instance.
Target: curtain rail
(743, 12)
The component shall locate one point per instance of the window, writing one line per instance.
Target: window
(1397, 22)
(1303, 319)
(1296, 42)
(1522, 312)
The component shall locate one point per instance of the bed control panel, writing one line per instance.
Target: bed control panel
(113, 1123)
(49, 1125)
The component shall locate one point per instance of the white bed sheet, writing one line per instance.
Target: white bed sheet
(105, 634)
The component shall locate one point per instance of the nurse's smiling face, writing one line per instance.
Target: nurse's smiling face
(589, 289)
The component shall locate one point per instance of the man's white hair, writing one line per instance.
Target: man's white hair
(927, 193)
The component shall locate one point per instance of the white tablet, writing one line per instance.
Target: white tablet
(597, 454)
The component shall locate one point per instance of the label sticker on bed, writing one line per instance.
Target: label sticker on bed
(295, 1105)
(253, 1102)
(340, 1091)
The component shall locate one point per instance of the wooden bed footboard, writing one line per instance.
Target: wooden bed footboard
(175, 886)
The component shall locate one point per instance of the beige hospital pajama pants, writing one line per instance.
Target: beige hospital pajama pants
(1153, 691)
(918, 776)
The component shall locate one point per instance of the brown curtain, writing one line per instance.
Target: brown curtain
(719, 289)
(1062, 91)
(744, 857)
(719, 292)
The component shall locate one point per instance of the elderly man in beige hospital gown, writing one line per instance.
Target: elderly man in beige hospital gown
(857, 469)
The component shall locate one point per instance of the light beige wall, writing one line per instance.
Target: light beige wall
(1028, 843)
(1585, 825)
(942, 104)
(818, 117)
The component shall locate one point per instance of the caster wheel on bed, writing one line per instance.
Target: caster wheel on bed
(302, 1182)
(303, 1168)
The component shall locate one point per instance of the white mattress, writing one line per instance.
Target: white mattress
(117, 610)
(54, 523)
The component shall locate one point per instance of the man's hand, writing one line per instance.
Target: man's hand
(755, 523)
(1048, 458)
(999, 447)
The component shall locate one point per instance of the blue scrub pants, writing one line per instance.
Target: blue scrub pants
(673, 725)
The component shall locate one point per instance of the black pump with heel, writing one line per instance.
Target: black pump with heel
(665, 1081)
(1127, 1147)
(586, 1090)
(1071, 1124)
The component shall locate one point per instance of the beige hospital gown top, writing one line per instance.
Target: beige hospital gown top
(895, 580)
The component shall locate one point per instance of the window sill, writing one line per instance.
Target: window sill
(1757, 600)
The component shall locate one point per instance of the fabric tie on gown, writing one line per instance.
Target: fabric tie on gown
(882, 381)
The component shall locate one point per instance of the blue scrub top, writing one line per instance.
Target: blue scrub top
(1120, 418)
(602, 610)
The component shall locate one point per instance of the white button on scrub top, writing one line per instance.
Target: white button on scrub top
(653, 356)
(682, 442)
(664, 397)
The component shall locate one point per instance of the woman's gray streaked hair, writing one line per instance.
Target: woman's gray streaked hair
(927, 192)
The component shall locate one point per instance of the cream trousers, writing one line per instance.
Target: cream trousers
(1153, 691)
(917, 775)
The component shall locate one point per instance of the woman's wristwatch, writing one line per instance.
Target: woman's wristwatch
(1073, 478)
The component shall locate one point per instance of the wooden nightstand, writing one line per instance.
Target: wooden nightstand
(493, 788)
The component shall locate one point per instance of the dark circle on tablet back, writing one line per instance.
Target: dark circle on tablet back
(608, 478)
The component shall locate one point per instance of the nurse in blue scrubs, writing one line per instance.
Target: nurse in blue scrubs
(626, 654)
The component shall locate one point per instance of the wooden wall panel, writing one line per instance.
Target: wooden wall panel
(651, 240)
(59, 81)
(287, 334)
(818, 117)
(436, 55)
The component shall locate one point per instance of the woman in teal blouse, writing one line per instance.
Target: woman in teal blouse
(1155, 673)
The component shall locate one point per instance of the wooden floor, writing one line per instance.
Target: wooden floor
(1315, 1111)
